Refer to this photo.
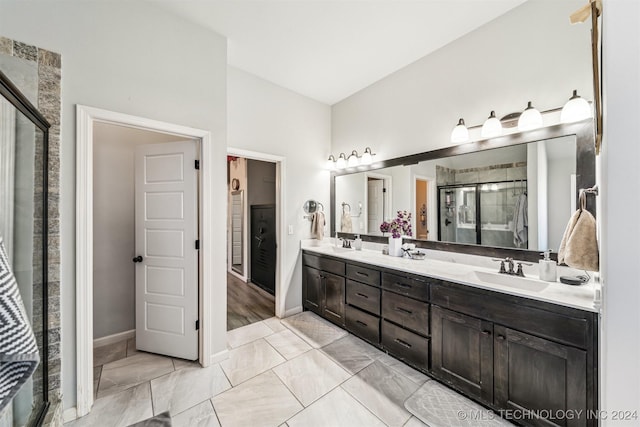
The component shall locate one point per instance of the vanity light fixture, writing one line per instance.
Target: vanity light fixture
(492, 126)
(353, 160)
(341, 163)
(367, 157)
(331, 163)
(529, 119)
(460, 133)
(576, 109)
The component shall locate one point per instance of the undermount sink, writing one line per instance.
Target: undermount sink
(511, 281)
(340, 249)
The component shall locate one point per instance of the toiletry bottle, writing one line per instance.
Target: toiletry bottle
(357, 243)
(547, 267)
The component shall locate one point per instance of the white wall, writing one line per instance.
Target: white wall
(136, 59)
(618, 203)
(530, 53)
(114, 225)
(268, 119)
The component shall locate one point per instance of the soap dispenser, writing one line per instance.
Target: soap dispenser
(357, 243)
(547, 267)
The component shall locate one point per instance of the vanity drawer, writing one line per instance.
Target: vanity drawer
(363, 296)
(409, 286)
(405, 345)
(363, 274)
(406, 312)
(325, 264)
(363, 325)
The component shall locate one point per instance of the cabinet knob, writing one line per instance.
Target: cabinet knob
(501, 337)
(486, 333)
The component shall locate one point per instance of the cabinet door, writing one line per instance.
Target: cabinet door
(333, 307)
(540, 375)
(312, 294)
(462, 352)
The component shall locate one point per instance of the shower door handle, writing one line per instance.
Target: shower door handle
(446, 222)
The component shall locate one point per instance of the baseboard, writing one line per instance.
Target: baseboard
(219, 357)
(111, 339)
(292, 311)
(69, 415)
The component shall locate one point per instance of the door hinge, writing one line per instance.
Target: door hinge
(197, 244)
(384, 190)
(197, 164)
(197, 325)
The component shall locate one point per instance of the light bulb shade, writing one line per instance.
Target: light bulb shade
(341, 163)
(367, 157)
(529, 119)
(353, 161)
(576, 109)
(331, 163)
(460, 133)
(491, 127)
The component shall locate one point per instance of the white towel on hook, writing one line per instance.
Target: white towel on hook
(346, 225)
(520, 221)
(579, 245)
(317, 225)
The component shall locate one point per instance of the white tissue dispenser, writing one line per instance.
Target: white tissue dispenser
(548, 267)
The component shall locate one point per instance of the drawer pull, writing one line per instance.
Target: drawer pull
(360, 273)
(501, 337)
(361, 323)
(403, 343)
(486, 333)
(404, 310)
(362, 295)
(403, 285)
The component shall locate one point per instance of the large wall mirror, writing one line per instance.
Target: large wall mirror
(507, 196)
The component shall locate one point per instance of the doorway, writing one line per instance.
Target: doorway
(254, 249)
(87, 119)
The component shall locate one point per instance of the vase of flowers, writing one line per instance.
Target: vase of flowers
(398, 227)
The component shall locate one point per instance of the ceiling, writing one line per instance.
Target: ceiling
(329, 49)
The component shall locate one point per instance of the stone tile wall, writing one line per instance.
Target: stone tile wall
(49, 90)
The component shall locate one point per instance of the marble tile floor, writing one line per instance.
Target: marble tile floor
(301, 371)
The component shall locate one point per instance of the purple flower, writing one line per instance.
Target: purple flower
(400, 226)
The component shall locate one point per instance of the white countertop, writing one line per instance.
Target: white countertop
(580, 297)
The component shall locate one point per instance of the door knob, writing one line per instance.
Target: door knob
(138, 258)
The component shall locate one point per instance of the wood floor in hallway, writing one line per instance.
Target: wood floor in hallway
(246, 304)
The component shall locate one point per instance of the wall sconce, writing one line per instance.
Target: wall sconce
(460, 133)
(331, 163)
(367, 157)
(353, 160)
(492, 126)
(576, 109)
(350, 162)
(529, 119)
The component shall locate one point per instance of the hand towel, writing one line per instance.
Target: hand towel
(345, 223)
(18, 349)
(579, 245)
(317, 225)
(520, 221)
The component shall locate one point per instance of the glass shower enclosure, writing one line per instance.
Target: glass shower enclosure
(489, 213)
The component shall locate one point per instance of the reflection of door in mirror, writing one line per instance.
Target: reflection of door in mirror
(237, 221)
(375, 204)
(422, 190)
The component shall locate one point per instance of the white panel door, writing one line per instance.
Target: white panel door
(166, 256)
(375, 202)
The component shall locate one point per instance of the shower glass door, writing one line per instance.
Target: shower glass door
(457, 216)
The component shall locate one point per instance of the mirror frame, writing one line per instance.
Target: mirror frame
(585, 178)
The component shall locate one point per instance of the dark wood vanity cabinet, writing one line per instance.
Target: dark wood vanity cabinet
(462, 352)
(507, 352)
(323, 289)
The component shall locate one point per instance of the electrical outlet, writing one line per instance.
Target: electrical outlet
(290, 229)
